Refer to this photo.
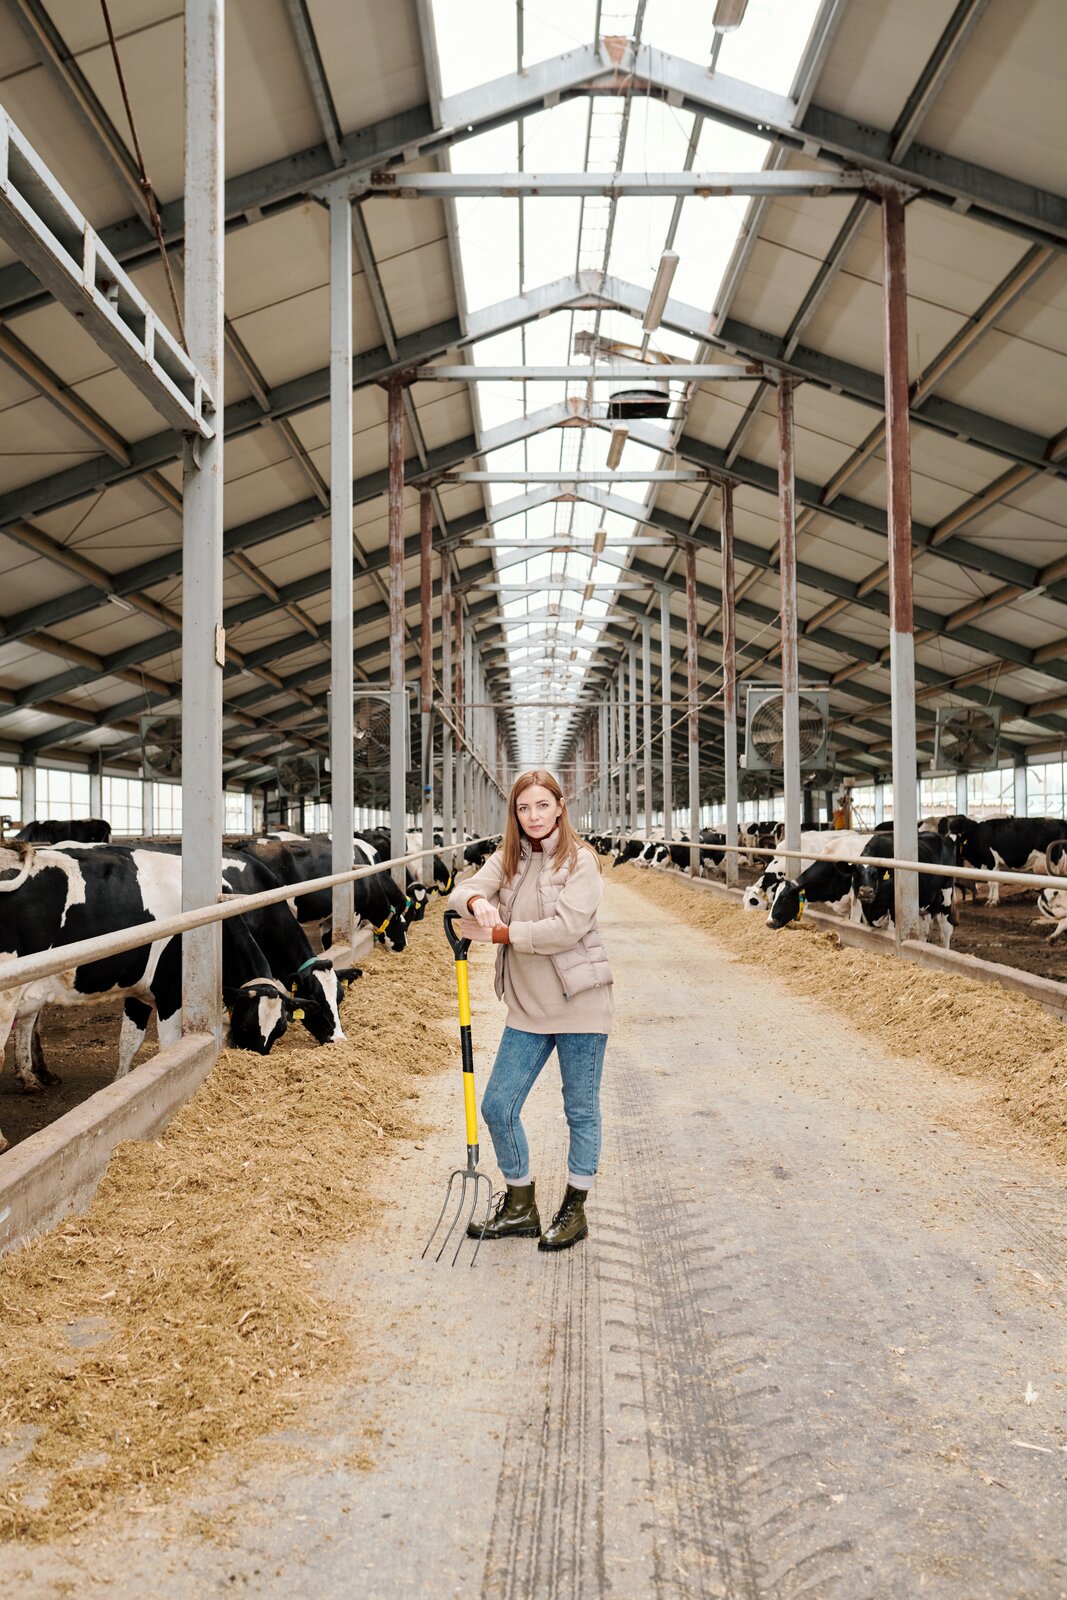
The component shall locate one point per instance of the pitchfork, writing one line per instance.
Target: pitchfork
(470, 1179)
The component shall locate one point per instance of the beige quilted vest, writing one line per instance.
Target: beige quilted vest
(583, 967)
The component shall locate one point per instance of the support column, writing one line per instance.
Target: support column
(646, 715)
(342, 637)
(901, 621)
(787, 535)
(148, 809)
(613, 741)
(667, 745)
(729, 681)
(620, 750)
(426, 647)
(631, 765)
(96, 787)
(694, 710)
(203, 641)
(447, 742)
(602, 760)
(458, 718)
(961, 794)
(399, 718)
(27, 795)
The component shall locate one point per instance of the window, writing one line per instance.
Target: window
(168, 807)
(233, 820)
(123, 804)
(64, 795)
(937, 797)
(863, 806)
(9, 792)
(1045, 789)
(991, 794)
(317, 816)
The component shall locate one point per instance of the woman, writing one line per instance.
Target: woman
(536, 898)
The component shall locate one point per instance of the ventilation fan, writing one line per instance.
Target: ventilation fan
(966, 739)
(298, 777)
(371, 717)
(752, 786)
(764, 730)
(161, 748)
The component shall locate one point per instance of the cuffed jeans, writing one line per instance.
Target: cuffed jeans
(517, 1067)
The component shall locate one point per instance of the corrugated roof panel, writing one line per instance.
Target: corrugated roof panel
(877, 54)
(1003, 105)
(37, 440)
(1014, 379)
(373, 72)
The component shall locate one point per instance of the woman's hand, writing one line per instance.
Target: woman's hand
(485, 915)
(476, 931)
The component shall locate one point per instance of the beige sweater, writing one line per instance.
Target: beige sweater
(533, 992)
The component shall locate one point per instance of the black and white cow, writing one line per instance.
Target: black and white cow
(378, 900)
(873, 886)
(815, 844)
(284, 944)
(51, 898)
(824, 882)
(1011, 844)
(86, 830)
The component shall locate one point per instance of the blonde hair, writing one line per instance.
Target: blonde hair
(569, 841)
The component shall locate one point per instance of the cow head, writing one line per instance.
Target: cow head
(867, 882)
(761, 893)
(786, 904)
(418, 899)
(1052, 904)
(259, 1011)
(318, 988)
(629, 852)
(392, 932)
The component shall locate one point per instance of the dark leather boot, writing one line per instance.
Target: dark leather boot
(514, 1218)
(569, 1224)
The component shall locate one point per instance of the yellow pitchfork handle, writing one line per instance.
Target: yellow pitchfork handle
(470, 1105)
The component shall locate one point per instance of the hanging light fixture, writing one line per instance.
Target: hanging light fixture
(600, 541)
(588, 595)
(619, 437)
(729, 14)
(657, 300)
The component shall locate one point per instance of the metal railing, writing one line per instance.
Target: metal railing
(46, 963)
(936, 869)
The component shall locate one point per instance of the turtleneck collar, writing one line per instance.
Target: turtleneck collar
(545, 846)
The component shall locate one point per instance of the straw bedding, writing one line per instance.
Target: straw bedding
(1008, 1042)
(181, 1316)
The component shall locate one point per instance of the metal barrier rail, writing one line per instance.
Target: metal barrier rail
(46, 963)
(1028, 880)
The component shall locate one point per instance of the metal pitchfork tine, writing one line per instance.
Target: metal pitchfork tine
(470, 1179)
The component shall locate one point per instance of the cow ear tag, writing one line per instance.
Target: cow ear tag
(298, 1016)
(885, 876)
(292, 987)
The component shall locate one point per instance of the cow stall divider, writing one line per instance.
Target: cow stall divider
(1047, 991)
(55, 1171)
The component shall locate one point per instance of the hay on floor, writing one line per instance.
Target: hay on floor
(181, 1316)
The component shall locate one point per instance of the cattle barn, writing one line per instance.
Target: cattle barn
(661, 399)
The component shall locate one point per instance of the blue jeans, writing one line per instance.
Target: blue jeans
(517, 1067)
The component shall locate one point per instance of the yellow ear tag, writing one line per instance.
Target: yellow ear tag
(292, 988)
(298, 1016)
(885, 876)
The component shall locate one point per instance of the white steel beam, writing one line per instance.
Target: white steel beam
(342, 719)
(561, 477)
(604, 372)
(203, 640)
(613, 185)
(46, 230)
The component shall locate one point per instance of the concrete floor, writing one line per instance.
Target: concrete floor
(793, 1359)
